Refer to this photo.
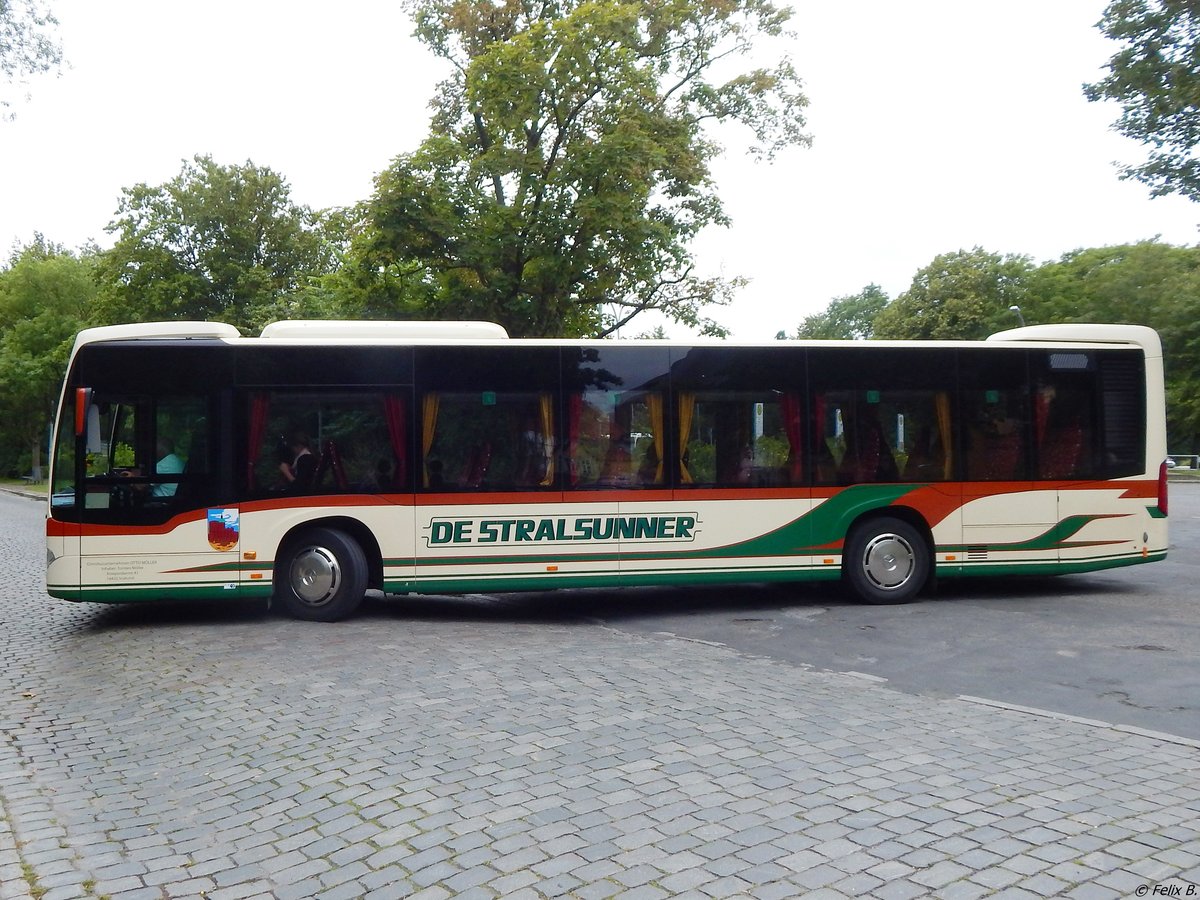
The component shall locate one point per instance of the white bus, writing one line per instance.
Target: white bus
(324, 459)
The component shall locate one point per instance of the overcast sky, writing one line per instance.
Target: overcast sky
(938, 125)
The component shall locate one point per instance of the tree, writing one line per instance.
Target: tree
(567, 168)
(846, 318)
(1155, 76)
(1132, 283)
(45, 298)
(216, 242)
(28, 45)
(964, 295)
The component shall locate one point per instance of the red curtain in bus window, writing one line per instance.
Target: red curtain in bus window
(260, 407)
(574, 414)
(1041, 412)
(791, 425)
(393, 410)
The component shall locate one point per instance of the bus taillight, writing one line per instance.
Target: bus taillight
(1162, 488)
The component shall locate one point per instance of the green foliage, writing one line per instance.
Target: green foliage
(964, 295)
(216, 242)
(702, 461)
(45, 298)
(1140, 284)
(846, 318)
(28, 44)
(1155, 76)
(771, 451)
(567, 168)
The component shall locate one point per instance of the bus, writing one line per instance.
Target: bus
(321, 460)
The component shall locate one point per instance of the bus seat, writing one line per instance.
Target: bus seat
(335, 465)
(861, 463)
(331, 461)
(1062, 451)
(477, 465)
(194, 476)
(996, 457)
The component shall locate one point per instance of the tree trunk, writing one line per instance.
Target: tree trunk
(36, 468)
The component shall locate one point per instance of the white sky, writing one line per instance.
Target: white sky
(938, 125)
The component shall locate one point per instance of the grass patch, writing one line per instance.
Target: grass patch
(35, 889)
(24, 485)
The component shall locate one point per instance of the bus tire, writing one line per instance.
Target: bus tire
(323, 577)
(886, 560)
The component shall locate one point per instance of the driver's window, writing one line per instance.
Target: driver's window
(146, 456)
(112, 439)
(181, 444)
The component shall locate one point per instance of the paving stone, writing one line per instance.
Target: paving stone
(481, 751)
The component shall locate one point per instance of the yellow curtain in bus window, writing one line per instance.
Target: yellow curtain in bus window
(546, 419)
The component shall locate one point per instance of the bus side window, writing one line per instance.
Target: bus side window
(616, 440)
(1063, 437)
(488, 441)
(851, 446)
(1064, 410)
(330, 441)
(995, 435)
(739, 438)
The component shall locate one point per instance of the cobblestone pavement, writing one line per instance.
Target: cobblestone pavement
(460, 750)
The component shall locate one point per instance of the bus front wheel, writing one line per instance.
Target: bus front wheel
(886, 560)
(323, 576)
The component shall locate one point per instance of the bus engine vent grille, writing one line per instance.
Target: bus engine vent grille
(977, 552)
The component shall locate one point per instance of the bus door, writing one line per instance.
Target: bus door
(150, 527)
(63, 525)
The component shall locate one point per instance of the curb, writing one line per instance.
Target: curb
(18, 492)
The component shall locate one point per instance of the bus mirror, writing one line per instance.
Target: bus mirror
(93, 430)
(83, 403)
(87, 420)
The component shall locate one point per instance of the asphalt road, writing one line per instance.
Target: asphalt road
(1121, 646)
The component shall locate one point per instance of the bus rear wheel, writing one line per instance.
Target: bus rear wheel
(886, 560)
(323, 575)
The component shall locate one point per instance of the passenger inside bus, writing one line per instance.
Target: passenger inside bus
(297, 474)
(168, 464)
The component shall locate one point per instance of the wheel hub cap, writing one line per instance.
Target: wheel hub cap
(315, 575)
(889, 561)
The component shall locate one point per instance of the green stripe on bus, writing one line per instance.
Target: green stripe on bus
(1067, 567)
(652, 578)
(1053, 538)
